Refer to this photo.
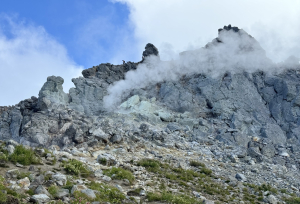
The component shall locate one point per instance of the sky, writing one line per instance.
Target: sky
(43, 38)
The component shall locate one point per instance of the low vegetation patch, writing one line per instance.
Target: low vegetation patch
(53, 190)
(292, 200)
(22, 175)
(119, 173)
(24, 156)
(8, 195)
(68, 185)
(196, 164)
(105, 194)
(171, 198)
(150, 164)
(3, 196)
(76, 167)
(103, 161)
(201, 180)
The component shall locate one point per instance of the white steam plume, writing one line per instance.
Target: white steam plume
(231, 52)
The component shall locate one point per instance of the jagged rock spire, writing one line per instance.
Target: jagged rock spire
(150, 49)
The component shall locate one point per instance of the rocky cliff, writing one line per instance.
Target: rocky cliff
(256, 112)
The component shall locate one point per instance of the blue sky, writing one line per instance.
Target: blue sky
(90, 30)
(62, 37)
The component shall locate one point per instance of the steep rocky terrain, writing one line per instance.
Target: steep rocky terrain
(244, 126)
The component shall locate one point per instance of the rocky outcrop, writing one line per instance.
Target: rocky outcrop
(52, 93)
(232, 108)
(89, 90)
(150, 49)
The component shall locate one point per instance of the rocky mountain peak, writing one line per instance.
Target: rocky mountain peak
(249, 117)
(229, 27)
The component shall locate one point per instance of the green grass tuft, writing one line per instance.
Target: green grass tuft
(150, 164)
(171, 198)
(53, 190)
(196, 164)
(24, 156)
(119, 173)
(76, 167)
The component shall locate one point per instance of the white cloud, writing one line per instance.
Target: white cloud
(187, 24)
(28, 55)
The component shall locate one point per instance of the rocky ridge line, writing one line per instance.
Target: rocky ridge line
(248, 119)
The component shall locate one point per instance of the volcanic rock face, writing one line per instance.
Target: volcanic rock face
(150, 49)
(257, 111)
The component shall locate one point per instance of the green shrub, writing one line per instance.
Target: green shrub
(292, 200)
(206, 171)
(68, 185)
(196, 164)
(3, 196)
(76, 167)
(171, 198)
(103, 161)
(24, 156)
(53, 190)
(3, 159)
(81, 198)
(30, 192)
(150, 164)
(22, 175)
(106, 193)
(119, 173)
(267, 187)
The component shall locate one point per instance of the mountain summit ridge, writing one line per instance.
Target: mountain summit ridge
(223, 121)
(255, 104)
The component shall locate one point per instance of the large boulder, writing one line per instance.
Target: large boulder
(52, 93)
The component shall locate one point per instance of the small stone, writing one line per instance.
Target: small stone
(66, 199)
(40, 151)
(61, 193)
(126, 182)
(19, 165)
(24, 183)
(10, 149)
(284, 154)
(98, 173)
(196, 194)
(31, 168)
(12, 173)
(142, 193)
(90, 193)
(251, 162)
(60, 179)
(294, 188)
(110, 159)
(272, 199)
(106, 178)
(39, 180)
(208, 202)
(116, 139)
(144, 127)
(78, 188)
(41, 190)
(240, 177)
(119, 187)
(40, 198)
